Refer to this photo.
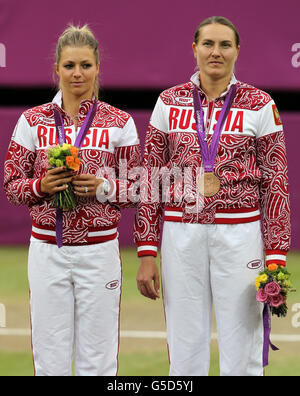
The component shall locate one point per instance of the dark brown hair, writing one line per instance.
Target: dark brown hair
(222, 21)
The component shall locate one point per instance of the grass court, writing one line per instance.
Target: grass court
(137, 356)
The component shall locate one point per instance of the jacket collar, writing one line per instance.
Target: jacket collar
(58, 99)
(195, 79)
(84, 107)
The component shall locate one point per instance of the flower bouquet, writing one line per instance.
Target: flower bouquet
(273, 285)
(65, 155)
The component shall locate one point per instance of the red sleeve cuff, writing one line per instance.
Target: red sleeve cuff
(147, 249)
(276, 257)
(35, 187)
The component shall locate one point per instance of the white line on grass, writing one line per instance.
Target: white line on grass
(148, 334)
(15, 332)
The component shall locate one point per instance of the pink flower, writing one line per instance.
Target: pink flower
(261, 296)
(276, 301)
(272, 289)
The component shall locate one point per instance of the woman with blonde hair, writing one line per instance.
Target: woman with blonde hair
(74, 265)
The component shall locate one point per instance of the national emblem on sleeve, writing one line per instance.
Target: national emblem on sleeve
(276, 115)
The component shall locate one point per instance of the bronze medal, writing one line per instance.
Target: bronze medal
(209, 184)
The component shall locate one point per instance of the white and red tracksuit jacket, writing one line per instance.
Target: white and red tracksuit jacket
(251, 164)
(112, 139)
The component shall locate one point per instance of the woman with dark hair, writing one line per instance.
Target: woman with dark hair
(225, 216)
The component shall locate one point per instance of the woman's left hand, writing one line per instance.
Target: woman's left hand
(86, 185)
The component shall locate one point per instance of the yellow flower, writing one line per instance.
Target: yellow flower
(66, 146)
(263, 278)
(257, 282)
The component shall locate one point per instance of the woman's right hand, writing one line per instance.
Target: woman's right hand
(56, 180)
(148, 278)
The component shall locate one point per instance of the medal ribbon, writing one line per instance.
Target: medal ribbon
(209, 154)
(267, 330)
(61, 137)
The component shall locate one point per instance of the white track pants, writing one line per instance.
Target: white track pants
(202, 263)
(75, 300)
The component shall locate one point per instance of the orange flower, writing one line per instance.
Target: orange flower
(73, 163)
(74, 151)
(272, 267)
(77, 164)
(69, 161)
